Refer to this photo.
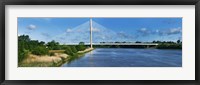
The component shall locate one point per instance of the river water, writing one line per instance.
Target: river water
(128, 57)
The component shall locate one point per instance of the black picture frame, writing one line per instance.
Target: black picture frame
(3, 3)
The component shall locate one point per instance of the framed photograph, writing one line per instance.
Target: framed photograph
(99, 42)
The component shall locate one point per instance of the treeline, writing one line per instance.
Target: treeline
(171, 42)
(161, 45)
(168, 44)
(27, 46)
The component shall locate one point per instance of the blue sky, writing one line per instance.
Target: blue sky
(74, 30)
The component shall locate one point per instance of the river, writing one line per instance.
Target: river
(128, 57)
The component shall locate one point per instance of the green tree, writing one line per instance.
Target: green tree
(178, 41)
(24, 38)
(81, 43)
(68, 50)
(22, 54)
(74, 50)
(53, 45)
(81, 46)
(40, 50)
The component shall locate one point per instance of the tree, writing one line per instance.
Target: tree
(42, 43)
(68, 50)
(24, 38)
(81, 46)
(81, 43)
(53, 45)
(22, 54)
(138, 42)
(73, 48)
(40, 50)
(178, 41)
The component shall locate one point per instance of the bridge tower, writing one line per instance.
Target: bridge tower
(91, 33)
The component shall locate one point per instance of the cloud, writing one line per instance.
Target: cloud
(174, 31)
(144, 32)
(171, 31)
(31, 27)
(148, 32)
(69, 30)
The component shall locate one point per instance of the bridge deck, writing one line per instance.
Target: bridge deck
(149, 44)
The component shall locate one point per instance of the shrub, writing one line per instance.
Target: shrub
(22, 54)
(80, 47)
(74, 50)
(56, 48)
(51, 54)
(68, 50)
(40, 50)
(169, 46)
(53, 45)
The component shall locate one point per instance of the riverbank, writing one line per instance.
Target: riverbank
(56, 60)
(85, 51)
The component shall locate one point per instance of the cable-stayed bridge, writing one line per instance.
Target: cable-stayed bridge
(91, 31)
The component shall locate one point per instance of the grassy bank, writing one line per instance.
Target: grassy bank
(78, 55)
(51, 61)
(34, 53)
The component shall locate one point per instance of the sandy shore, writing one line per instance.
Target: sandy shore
(86, 50)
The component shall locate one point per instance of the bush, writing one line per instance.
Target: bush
(169, 46)
(22, 54)
(51, 54)
(53, 45)
(40, 50)
(56, 48)
(74, 50)
(80, 47)
(68, 50)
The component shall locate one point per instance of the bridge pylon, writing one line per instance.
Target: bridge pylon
(91, 33)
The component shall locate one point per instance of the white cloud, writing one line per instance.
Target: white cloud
(31, 27)
(170, 31)
(157, 31)
(69, 30)
(143, 29)
(144, 32)
(175, 31)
